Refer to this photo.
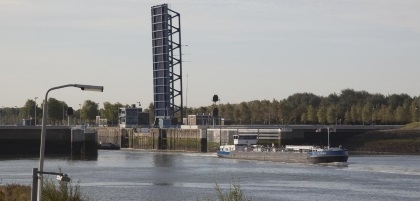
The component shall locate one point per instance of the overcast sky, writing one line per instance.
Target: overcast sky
(242, 50)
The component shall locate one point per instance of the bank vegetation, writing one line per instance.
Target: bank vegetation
(347, 107)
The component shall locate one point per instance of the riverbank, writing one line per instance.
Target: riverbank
(395, 142)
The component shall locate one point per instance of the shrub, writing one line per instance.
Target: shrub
(15, 192)
(64, 191)
(234, 193)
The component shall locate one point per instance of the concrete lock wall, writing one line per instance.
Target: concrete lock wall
(157, 139)
(109, 134)
(217, 137)
(25, 141)
(84, 143)
(186, 140)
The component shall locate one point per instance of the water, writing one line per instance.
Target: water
(138, 175)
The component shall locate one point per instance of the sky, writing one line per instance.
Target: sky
(241, 50)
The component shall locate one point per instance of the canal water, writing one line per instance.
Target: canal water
(127, 175)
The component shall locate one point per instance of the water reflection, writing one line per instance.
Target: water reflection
(163, 160)
(83, 158)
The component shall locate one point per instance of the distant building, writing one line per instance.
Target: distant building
(101, 122)
(133, 117)
(203, 119)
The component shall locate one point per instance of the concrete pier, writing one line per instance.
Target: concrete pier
(209, 138)
(194, 140)
(24, 141)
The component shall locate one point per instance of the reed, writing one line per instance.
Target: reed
(51, 191)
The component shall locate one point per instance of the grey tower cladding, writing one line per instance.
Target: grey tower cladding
(167, 62)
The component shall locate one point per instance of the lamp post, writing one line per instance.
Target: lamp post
(17, 118)
(372, 114)
(251, 117)
(329, 129)
(63, 115)
(43, 130)
(35, 109)
(80, 114)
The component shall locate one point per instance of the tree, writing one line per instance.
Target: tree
(331, 114)
(246, 114)
(347, 117)
(237, 114)
(229, 112)
(152, 113)
(110, 112)
(28, 110)
(304, 118)
(312, 114)
(321, 114)
(414, 112)
(401, 115)
(367, 113)
(387, 114)
(56, 110)
(89, 111)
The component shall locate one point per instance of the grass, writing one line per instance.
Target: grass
(414, 125)
(234, 193)
(64, 191)
(51, 191)
(15, 192)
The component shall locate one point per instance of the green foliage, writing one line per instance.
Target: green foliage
(414, 125)
(64, 191)
(322, 116)
(51, 191)
(352, 107)
(28, 110)
(152, 113)
(56, 110)
(15, 192)
(312, 117)
(110, 112)
(89, 111)
(234, 193)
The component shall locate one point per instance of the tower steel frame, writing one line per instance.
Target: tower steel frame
(167, 62)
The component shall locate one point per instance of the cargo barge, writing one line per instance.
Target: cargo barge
(244, 148)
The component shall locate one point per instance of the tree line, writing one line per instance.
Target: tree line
(58, 113)
(348, 107)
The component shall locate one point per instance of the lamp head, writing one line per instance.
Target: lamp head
(64, 178)
(90, 87)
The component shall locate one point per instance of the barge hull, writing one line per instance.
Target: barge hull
(329, 159)
(267, 156)
(286, 157)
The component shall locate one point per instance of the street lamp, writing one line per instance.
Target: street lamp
(372, 114)
(17, 118)
(35, 110)
(329, 129)
(80, 114)
(43, 130)
(63, 116)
